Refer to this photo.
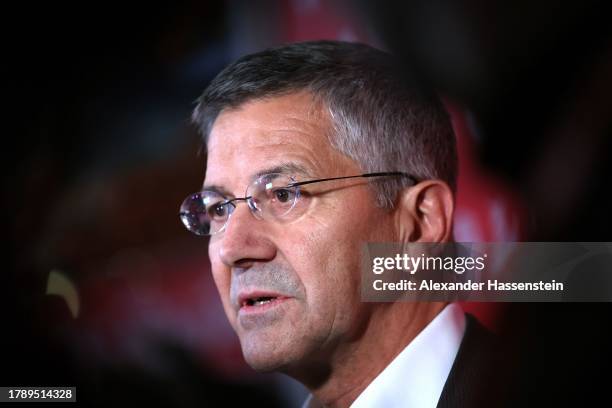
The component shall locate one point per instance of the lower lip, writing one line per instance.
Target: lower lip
(254, 309)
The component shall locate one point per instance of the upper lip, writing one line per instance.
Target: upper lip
(247, 295)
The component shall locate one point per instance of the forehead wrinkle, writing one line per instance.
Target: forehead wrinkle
(259, 138)
(295, 117)
(304, 153)
(286, 167)
(264, 132)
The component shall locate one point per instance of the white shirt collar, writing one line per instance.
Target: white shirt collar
(416, 377)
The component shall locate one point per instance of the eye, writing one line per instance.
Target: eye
(218, 210)
(283, 195)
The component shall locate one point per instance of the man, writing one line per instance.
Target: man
(315, 149)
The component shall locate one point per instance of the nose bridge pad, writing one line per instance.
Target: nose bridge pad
(255, 210)
(231, 207)
(296, 198)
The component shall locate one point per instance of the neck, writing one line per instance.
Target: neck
(350, 368)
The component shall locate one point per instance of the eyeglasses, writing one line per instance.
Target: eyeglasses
(271, 196)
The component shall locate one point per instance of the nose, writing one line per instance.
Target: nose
(245, 241)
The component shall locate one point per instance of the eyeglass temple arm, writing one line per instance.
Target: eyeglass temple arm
(236, 199)
(389, 173)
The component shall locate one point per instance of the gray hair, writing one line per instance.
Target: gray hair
(377, 120)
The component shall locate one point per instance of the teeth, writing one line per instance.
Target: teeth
(261, 302)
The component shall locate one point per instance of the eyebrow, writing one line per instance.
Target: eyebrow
(288, 168)
(217, 189)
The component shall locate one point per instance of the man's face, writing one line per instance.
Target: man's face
(309, 264)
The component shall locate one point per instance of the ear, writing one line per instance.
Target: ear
(425, 212)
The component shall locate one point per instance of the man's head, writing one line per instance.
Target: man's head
(290, 284)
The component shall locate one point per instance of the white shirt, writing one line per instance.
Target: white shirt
(416, 377)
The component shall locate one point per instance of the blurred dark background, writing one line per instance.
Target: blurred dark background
(105, 290)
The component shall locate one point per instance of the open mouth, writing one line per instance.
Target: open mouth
(258, 301)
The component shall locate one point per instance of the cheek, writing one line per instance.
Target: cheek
(329, 249)
(334, 295)
(222, 278)
(326, 255)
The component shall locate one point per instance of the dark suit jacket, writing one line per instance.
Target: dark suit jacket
(477, 377)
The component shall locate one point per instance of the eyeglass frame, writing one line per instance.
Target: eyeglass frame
(296, 184)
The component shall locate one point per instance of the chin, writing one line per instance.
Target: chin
(263, 361)
(265, 356)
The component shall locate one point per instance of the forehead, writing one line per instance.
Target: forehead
(267, 133)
